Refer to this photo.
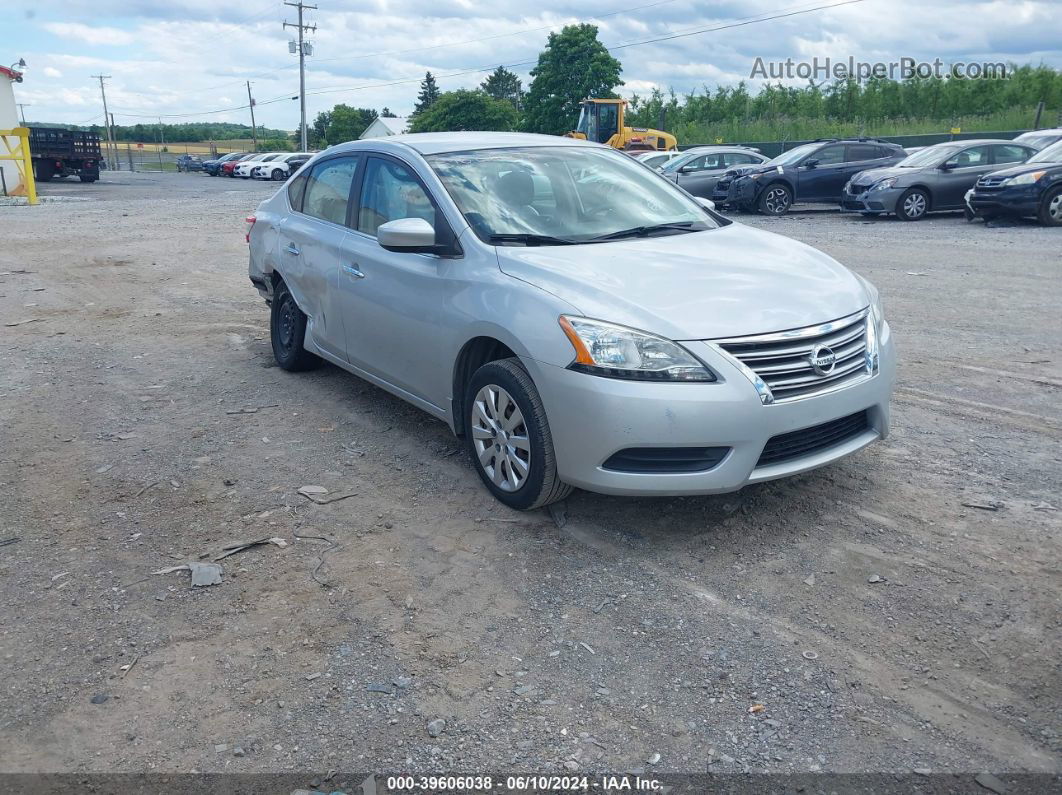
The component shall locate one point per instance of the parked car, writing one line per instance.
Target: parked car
(935, 178)
(657, 160)
(629, 342)
(189, 163)
(1040, 139)
(1032, 189)
(213, 167)
(244, 167)
(281, 167)
(230, 166)
(812, 172)
(701, 169)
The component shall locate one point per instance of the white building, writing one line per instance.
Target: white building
(8, 121)
(385, 127)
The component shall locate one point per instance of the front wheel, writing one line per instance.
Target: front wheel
(508, 437)
(1051, 208)
(287, 330)
(913, 205)
(776, 199)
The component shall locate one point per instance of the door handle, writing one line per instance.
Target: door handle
(292, 249)
(353, 271)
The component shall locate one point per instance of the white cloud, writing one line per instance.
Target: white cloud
(51, 71)
(89, 34)
(193, 56)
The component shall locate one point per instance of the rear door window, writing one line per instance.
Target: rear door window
(860, 152)
(1009, 153)
(327, 193)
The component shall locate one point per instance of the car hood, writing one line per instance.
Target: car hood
(1024, 168)
(872, 175)
(726, 282)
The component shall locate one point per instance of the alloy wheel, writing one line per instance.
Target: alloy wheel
(1054, 209)
(777, 200)
(499, 436)
(914, 206)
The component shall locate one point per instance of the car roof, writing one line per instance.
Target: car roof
(1050, 131)
(973, 142)
(437, 143)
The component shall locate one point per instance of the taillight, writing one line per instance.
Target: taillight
(250, 225)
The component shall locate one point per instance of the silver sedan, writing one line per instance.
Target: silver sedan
(577, 319)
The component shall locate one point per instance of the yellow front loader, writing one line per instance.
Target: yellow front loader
(601, 120)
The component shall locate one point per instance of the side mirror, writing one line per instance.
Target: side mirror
(707, 204)
(810, 163)
(947, 166)
(406, 234)
(685, 169)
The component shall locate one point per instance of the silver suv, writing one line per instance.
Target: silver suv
(578, 319)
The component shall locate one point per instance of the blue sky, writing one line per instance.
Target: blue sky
(186, 60)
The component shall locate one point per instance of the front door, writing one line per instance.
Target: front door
(964, 169)
(822, 175)
(314, 244)
(393, 302)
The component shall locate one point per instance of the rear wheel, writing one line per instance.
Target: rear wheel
(278, 174)
(287, 327)
(43, 170)
(1051, 208)
(508, 437)
(913, 205)
(776, 199)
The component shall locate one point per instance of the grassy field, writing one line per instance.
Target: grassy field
(186, 147)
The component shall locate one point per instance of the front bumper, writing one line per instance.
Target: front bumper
(872, 201)
(1018, 200)
(591, 418)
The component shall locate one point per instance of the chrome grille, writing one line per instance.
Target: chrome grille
(990, 182)
(783, 360)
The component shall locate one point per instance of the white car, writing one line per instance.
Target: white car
(657, 160)
(281, 167)
(243, 168)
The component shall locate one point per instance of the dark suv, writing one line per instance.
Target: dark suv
(812, 172)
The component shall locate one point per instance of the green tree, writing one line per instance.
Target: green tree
(347, 123)
(387, 114)
(574, 66)
(317, 135)
(429, 94)
(503, 84)
(466, 110)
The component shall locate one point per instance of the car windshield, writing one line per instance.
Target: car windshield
(676, 163)
(555, 195)
(792, 155)
(929, 156)
(1052, 154)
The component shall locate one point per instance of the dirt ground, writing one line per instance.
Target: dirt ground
(898, 611)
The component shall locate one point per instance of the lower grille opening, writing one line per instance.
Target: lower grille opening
(806, 441)
(663, 460)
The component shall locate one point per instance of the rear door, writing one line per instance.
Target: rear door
(861, 157)
(315, 244)
(821, 176)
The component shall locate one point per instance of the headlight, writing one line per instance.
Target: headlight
(613, 351)
(884, 183)
(1025, 179)
(875, 327)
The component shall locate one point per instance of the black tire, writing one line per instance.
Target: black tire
(541, 485)
(913, 205)
(1050, 213)
(277, 175)
(287, 330)
(775, 199)
(88, 178)
(43, 171)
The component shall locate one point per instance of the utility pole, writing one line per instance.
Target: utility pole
(250, 104)
(302, 66)
(22, 112)
(107, 123)
(114, 143)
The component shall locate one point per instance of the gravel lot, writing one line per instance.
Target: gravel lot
(898, 611)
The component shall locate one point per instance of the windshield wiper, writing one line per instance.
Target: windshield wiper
(530, 239)
(645, 231)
